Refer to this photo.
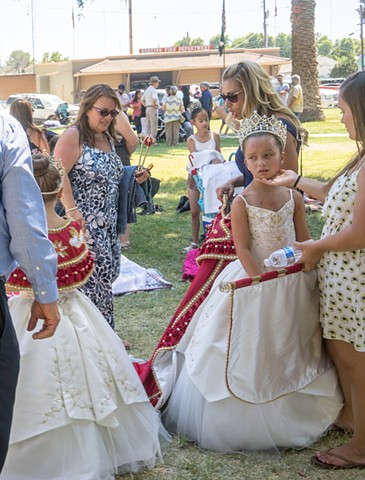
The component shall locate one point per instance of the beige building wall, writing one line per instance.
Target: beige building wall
(9, 84)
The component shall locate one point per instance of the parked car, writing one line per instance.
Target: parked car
(329, 97)
(44, 104)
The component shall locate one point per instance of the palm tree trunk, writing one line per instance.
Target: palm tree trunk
(304, 57)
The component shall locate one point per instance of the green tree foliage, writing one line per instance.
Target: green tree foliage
(187, 40)
(53, 57)
(283, 40)
(345, 47)
(216, 39)
(324, 46)
(18, 61)
(345, 66)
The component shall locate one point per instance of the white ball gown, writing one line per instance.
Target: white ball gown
(81, 412)
(252, 373)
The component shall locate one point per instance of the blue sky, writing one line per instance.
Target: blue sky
(103, 29)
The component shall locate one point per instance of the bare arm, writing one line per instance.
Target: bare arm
(241, 238)
(301, 228)
(191, 145)
(68, 150)
(350, 238)
(217, 142)
(287, 178)
(125, 129)
(229, 187)
(291, 156)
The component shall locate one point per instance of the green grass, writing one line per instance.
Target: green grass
(157, 241)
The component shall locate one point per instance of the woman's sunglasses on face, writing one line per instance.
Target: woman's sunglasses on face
(231, 97)
(104, 112)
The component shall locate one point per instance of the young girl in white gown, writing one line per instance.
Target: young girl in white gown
(251, 375)
(81, 412)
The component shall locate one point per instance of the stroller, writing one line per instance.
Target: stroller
(161, 135)
(208, 176)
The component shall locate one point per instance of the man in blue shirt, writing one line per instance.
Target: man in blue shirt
(206, 98)
(23, 241)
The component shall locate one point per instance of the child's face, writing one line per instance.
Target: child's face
(347, 118)
(201, 121)
(263, 156)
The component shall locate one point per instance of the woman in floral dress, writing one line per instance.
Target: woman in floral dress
(91, 188)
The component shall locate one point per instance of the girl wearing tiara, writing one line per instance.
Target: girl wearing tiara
(80, 410)
(249, 378)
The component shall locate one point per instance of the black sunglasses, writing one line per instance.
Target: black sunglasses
(231, 97)
(104, 112)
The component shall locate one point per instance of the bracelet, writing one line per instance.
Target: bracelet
(297, 181)
(71, 209)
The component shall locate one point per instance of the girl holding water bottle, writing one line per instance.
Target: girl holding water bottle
(339, 256)
(255, 374)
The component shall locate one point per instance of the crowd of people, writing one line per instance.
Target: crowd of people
(231, 371)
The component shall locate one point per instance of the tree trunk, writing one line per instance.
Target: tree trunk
(304, 57)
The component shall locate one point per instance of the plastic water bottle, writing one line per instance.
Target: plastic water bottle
(283, 257)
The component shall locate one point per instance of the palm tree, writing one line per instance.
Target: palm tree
(304, 57)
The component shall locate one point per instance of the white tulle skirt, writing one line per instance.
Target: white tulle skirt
(81, 412)
(251, 370)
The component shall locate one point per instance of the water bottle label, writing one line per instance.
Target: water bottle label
(289, 253)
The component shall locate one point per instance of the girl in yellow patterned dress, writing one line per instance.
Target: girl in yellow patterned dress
(340, 257)
(81, 412)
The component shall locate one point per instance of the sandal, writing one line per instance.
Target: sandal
(330, 466)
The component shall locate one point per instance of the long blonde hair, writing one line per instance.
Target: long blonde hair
(259, 93)
(352, 92)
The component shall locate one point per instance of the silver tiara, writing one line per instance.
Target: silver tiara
(262, 124)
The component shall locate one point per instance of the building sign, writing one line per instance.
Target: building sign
(189, 48)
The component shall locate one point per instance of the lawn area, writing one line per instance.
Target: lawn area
(157, 241)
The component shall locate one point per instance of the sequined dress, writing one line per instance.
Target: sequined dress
(248, 376)
(81, 412)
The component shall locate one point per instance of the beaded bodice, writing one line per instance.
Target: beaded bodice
(75, 262)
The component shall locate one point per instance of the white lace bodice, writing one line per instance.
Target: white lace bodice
(270, 230)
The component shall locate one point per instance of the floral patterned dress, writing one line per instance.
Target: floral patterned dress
(95, 186)
(342, 274)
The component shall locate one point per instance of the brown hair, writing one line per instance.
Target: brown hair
(91, 96)
(47, 176)
(352, 91)
(22, 110)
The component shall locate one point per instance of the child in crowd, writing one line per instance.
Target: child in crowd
(340, 256)
(80, 410)
(203, 139)
(250, 377)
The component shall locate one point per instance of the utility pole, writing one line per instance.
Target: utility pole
(130, 27)
(265, 27)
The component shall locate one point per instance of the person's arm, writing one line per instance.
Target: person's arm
(26, 221)
(229, 187)
(68, 150)
(241, 238)
(300, 223)
(191, 145)
(348, 239)
(217, 142)
(289, 178)
(127, 132)
(291, 155)
(48, 312)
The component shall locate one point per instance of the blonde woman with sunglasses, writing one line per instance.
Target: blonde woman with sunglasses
(91, 185)
(247, 88)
